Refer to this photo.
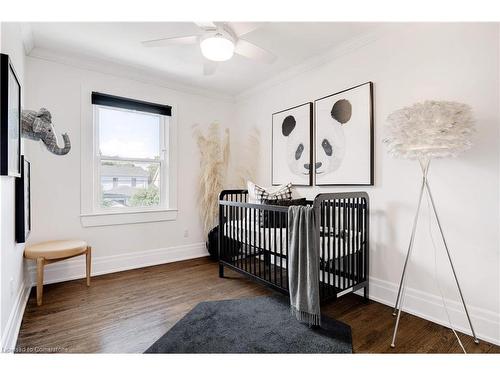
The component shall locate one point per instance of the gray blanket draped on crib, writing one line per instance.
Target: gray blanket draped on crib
(303, 264)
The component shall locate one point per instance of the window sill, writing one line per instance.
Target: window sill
(120, 218)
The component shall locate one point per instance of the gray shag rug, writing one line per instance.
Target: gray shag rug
(251, 325)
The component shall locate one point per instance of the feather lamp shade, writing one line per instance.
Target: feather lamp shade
(432, 129)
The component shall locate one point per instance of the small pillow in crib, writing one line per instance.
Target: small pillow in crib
(256, 193)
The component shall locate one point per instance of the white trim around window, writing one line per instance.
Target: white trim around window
(94, 215)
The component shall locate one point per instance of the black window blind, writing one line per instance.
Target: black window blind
(126, 103)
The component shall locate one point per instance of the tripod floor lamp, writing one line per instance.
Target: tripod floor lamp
(425, 131)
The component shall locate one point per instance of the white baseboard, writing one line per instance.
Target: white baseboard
(430, 307)
(75, 267)
(9, 338)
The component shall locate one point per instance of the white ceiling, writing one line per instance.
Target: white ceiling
(292, 42)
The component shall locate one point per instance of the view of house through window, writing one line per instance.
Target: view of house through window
(131, 165)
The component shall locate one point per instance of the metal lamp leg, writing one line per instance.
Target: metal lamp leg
(410, 246)
(424, 164)
(451, 262)
(393, 343)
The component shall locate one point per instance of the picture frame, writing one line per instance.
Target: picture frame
(23, 202)
(344, 122)
(10, 119)
(291, 146)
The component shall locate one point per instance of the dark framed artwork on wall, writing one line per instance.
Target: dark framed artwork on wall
(10, 119)
(23, 202)
(291, 151)
(344, 137)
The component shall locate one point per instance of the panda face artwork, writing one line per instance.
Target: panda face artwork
(292, 146)
(330, 139)
(297, 148)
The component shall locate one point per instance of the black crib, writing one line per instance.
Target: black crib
(253, 240)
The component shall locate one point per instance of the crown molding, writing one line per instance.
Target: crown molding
(317, 61)
(156, 78)
(123, 71)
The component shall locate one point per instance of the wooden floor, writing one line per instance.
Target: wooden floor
(126, 312)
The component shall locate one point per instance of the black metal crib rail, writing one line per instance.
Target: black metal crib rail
(253, 240)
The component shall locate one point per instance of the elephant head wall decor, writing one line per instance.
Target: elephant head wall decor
(37, 125)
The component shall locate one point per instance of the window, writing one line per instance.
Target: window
(131, 155)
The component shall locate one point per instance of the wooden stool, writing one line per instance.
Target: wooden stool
(54, 251)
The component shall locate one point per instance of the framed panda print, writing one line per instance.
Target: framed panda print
(291, 153)
(344, 137)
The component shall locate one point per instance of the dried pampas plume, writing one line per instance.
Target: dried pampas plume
(214, 158)
(432, 129)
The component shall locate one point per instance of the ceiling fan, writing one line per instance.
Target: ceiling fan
(219, 41)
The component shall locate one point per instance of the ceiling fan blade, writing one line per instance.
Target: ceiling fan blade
(251, 51)
(206, 25)
(191, 39)
(242, 28)
(209, 68)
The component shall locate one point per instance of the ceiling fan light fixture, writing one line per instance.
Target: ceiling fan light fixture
(217, 47)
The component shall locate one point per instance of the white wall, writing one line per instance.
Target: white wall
(427, 61)
(11, 254)
(56, 179)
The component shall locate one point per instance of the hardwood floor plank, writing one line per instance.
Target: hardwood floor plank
(126, 312)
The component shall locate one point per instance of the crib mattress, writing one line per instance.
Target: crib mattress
(275, 239)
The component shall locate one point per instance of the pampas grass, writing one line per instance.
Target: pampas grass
(214, 159)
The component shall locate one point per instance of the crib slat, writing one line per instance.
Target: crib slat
(335, 241)
(275, 246)
(326, 247)
(287, 254)
(363, 239)
(365, 231)
(235, 237)
(259, 241)
(348, 236)
(231, 242)
(269, 245)
(266, 245)
(346, 241)
(224, 234)
(262, 232)
(348, 260)
(323, 245)
(351, 252)
(348, 245)
(281, 217)
(242, 235)
(356, 248)
(238, 254)
(357, 241)
(344, 216)
(255, 244)
(331, 245)
(236, 218)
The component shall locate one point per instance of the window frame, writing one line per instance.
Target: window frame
(162, 161)
(90, 215)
